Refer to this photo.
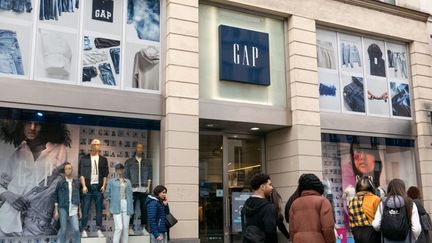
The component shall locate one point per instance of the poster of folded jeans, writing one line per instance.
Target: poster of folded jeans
(55, 55)
(101, 61)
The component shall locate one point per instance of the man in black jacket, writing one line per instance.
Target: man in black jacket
(93, 173)
(258, 214)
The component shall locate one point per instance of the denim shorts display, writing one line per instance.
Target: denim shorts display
(89, 73)
(115, 57)
(326, 55)
(105, 43)
(350, 55)
(106, 74)
(87, 43)
(17, 6)
(10, 53)
(52, 9)
(353, 94)
(145, 17)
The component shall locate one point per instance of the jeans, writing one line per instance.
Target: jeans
(115, 57)
(89, 73)
(87, 43)
(165, 239)
(95, 194)
(52, 9)
(145, 16)
(10, 53)
(17, 6)
(105, 43)
(106, 74)
(121, 222)
(141, 197)
(73, 222)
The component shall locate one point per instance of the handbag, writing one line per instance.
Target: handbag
(170, 220)
(426, 222)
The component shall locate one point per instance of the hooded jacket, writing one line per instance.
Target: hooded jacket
(398, 202)
(155, 216)
(261, 213)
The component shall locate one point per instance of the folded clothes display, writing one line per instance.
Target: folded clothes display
(326, 55)
(57, 54)
(95, 56)
(115, 57)
(353, 94)
(105, 43)
(106, 74)
(350, 55)
(145, 17)
(10, 53)
(89, 73)
(146, 69)
(17, 6)
(52, 9)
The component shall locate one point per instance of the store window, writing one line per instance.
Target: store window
(103, 43)
(212, 86)
(363, 76)
(346, 156)
(35, 144)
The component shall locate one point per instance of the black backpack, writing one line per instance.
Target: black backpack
(395, 224)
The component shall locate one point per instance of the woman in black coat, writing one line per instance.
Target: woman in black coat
(414, 193)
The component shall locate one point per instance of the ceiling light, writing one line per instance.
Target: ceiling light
(255, 128)
(210, 125)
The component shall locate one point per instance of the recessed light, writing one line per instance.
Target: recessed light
(40, 114)
(210, 125)
(255, 128)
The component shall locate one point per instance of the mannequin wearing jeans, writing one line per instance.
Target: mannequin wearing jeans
(119, 197)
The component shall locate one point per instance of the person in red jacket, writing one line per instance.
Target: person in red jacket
(311, 215)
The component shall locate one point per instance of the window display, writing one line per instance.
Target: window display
(365, 85)
(34, 145)
(348, 156)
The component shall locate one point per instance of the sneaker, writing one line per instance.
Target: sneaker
(99, 234)
(131, 231)
(84, 234)
(144, 232)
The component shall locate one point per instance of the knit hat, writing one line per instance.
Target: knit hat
(310, 182)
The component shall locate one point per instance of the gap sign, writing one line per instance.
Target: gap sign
(244, 56)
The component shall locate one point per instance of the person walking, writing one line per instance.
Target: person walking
(67, 205)
(119, 197)
(156, 214)
(276, 199)
(414, 193)
(397, 216)
(311, 215)
(258, 214)
(362, 209)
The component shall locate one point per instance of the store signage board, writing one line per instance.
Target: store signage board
(244, 56)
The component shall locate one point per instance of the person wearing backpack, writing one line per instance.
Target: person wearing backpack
(258, 213)
(362, 209)
(425, 222)
(397, 216)
(311, 215)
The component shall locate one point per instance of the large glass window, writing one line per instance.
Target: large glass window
(360, 75)
(35, 144)
(346, 156)
(210, 18)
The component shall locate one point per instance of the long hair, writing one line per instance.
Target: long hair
(293, 197)
(276, 200)
(12, 132)
(396, 187)
(378, 163)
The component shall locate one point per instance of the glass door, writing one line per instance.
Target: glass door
(226, 165)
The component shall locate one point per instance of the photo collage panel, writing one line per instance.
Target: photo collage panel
(371, 77)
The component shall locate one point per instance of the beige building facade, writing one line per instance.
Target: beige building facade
(215, 134)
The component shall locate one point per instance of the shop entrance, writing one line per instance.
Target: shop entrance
(227, 163)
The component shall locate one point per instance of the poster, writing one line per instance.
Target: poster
(400, 99)
(329, 91)
(353, 93)
(375, 57)
(326, 49)
(238, 200)
(377, 97)
(397, 62)
(350, 54)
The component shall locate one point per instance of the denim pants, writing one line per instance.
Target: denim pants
(115, 57)
(73, 222)
(87, 43)
(106, 74)
(17, 6)
(141, 197)
(96, 195)
(52, 9)
(89, 73)
(10, 53)
(165, 239)
(121, 222)
(145, 17)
